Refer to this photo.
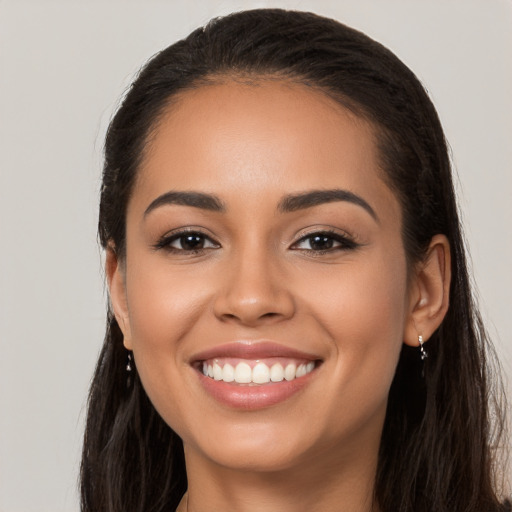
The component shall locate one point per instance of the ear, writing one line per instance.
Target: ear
(117, 291)
(429, 292)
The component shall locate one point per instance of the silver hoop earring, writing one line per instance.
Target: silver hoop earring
(423, 352)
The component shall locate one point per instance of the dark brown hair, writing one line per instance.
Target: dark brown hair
(436, 451)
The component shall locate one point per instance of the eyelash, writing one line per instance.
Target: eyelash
(344, 242)
(166, 241)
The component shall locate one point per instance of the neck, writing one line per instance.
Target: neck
(318, 484)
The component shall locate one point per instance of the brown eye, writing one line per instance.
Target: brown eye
(189, 242)
(186, 242)
(321, 242)
(324, 242)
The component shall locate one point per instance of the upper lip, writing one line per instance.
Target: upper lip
(253, 350)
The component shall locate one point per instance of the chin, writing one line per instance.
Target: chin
(260, 447)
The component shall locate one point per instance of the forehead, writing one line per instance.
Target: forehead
(267, 137)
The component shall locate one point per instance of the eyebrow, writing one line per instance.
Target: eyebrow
(289, 203)
(294, 202)
(194, 199)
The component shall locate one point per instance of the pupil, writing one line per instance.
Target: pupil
(191, 242)
(320, 243)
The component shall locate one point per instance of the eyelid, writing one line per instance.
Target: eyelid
(326, 230)
(345, 239)
(178, 236)
(170, 236)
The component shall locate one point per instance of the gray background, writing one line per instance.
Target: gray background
(63, 67)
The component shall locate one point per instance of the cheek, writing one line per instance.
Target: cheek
(363, 314)
(163, 303)
(164, 306)
(363, 310)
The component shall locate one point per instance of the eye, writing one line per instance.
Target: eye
(188, 241)
(321, 242)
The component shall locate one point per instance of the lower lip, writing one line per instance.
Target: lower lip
(252, 397)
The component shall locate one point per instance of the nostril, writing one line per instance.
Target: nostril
(251, 305)
(232, 316)
(253, 319)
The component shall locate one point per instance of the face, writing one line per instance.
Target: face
(264, 249)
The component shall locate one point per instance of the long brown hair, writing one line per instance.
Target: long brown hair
(436, 450)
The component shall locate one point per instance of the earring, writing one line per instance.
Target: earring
(423, 352)
(129, 371)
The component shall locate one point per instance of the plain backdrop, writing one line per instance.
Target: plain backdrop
(63, 67)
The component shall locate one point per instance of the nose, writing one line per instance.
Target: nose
(254, 291)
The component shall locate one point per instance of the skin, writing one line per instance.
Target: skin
(352, 305)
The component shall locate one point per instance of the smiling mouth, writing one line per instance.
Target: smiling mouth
(249, 376)
(256, 372)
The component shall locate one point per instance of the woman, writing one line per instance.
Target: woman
(291, 324)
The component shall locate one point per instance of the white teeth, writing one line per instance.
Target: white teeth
(228, 373)
(259, 374)
(243, 373)
(301, 371)
(290, 371)
(217, 372)
(277, 373)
